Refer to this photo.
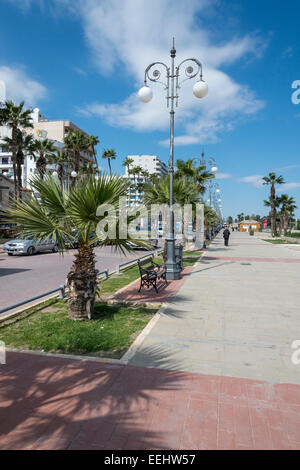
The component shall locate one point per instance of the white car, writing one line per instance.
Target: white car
(29, 247)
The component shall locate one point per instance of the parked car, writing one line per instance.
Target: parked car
(150, 244)
(29, 247)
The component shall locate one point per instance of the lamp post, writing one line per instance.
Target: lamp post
(172, 87)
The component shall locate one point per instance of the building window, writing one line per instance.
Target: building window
(4, 160)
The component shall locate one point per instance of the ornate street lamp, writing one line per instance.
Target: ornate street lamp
(172, 87)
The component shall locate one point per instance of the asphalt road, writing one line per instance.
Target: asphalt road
(22, 277)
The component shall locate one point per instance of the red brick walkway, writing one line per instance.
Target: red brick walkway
(262, 260)
(58, 403)
(165, 291)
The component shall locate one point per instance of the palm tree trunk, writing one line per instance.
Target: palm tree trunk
(19, 180)
(14, 158)
(286, 224)
(109, 166)
(82, 283)
(273, 211)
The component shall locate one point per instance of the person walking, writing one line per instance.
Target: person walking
(226, 235)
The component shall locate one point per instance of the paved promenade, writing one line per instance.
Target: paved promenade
(215, 371)
(236, 315)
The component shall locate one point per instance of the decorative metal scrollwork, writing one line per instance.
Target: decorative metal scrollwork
(154, 75)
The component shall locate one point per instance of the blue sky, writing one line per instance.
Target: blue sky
(84, 61)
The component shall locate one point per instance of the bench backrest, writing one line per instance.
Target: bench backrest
(143, 262)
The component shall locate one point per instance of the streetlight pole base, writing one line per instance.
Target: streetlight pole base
(172, 269)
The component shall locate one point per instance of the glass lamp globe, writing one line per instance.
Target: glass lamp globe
(217, 190)
(145, 94)
(73, 174)
(200, 89)
(214, 169)
(55, 174)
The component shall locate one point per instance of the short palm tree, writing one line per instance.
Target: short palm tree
(16, 118)
(72, 215)
(288, 205)
(109, 154)
(24, 146)
(43, 151)
(197, 174)
(271, 181)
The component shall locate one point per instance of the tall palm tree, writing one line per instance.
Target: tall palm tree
(77, 142)
(24, 146)
(110, 154)
(15, 117)
(44, 148)
(93, 141)
(127, 162)
(271, 181)
(276, 204)
(62, 160)
(57, 213)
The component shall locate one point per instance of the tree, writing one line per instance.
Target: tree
(93, 141)
(159, 193)
(198, 175)
(16, 118)
(24, 145)
(271, 181)
(109, 154)
(127, 162)
(61, 159)
(77, 142)
(240, 216)
(45, 150)
(229, 220)
(276, 205)
(56, 214)
(135, 172)
(288, 206)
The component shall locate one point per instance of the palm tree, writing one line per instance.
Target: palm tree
(288, 205)
(93, 141)
(56, 214)
(61, 159)
(15, 117)
(24, 145)
(45, 150)
(110, 154)
(127, 162)
(271, 181)
(159, 193)
(276, 205)
(77, 142)
(198, 175)
(136, 172)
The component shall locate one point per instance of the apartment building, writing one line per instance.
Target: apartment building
(150, 163)
(55, 131)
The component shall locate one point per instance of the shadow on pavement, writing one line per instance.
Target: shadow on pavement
(58, 403)
(8, 271)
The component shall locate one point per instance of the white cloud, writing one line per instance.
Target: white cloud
(126, 36)
(287, 186)
(223, 176)
(21, 87)
(255, 180)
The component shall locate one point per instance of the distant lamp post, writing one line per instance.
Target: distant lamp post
(172, 87)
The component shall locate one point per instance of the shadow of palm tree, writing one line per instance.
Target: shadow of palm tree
(60, 403)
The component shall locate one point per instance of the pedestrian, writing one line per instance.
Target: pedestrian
(226, 235)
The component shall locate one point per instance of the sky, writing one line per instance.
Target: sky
(84, 61)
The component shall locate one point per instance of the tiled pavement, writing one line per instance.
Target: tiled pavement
(228, 332)
(58, 403)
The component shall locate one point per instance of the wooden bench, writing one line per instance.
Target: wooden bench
(150, 273)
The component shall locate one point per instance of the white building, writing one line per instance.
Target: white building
(150, 163)
(55, 131)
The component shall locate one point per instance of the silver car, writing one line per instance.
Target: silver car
(29, 247)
